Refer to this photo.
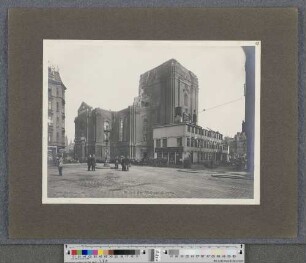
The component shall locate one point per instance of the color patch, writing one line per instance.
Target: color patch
(174, 252)
(217, 252)
(124, 252)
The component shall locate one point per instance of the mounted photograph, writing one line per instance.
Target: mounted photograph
(151, 122)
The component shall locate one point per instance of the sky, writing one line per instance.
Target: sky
(106, 74)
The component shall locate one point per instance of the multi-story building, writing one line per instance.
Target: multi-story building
(179, 141)
(237, 146)
(56, 113)
(241, 144)
(167, 97)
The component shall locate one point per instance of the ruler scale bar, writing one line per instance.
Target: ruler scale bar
(167, 253)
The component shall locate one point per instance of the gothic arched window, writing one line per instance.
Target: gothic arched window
(106, 130)
(121, 130)
(106, 125)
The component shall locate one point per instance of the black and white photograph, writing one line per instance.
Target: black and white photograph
(151, 122)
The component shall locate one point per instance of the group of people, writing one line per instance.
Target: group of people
(125, 163)
(91, 162)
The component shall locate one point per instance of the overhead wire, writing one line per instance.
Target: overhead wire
(220, 105)
(223, 104)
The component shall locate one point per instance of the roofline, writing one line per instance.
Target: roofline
(168, 61)
(181, 124)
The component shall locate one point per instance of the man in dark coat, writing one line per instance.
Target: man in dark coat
(127, 163)
(89, 160)
(93, 162)
(123, 163)
(116, 163)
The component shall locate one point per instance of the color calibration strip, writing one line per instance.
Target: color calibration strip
(185, 252)
(166, 253)
(99, 252)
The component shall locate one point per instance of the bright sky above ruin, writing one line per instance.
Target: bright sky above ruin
(106, 74)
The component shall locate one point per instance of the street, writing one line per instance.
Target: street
(147, 182)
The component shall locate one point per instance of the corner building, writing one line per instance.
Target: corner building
(56, 113)
(168, 94)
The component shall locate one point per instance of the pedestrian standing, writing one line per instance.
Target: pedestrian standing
(93, 162)
(60, 166)
(116, 163)
(123, 163)
(127, 163)
(89, 162)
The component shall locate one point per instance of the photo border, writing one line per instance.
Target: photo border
(162, 201)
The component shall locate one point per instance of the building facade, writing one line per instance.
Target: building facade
(56, 113)
(179, 141)
(167, 102)
(237, 146)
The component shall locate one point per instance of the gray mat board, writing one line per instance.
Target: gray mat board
(255, 253)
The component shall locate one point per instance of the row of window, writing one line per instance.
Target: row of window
(161, 143)
(206, 156)
(191, 142)
(58, 92)
(58, 108)
(172, 156)
(200, 143)
(204, 132)
(58, 136)
(58, 119)
(203, 156)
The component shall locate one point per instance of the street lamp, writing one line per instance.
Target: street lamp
(106, 131)
(85, 144)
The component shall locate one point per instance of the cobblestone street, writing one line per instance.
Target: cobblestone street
(147, 182)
